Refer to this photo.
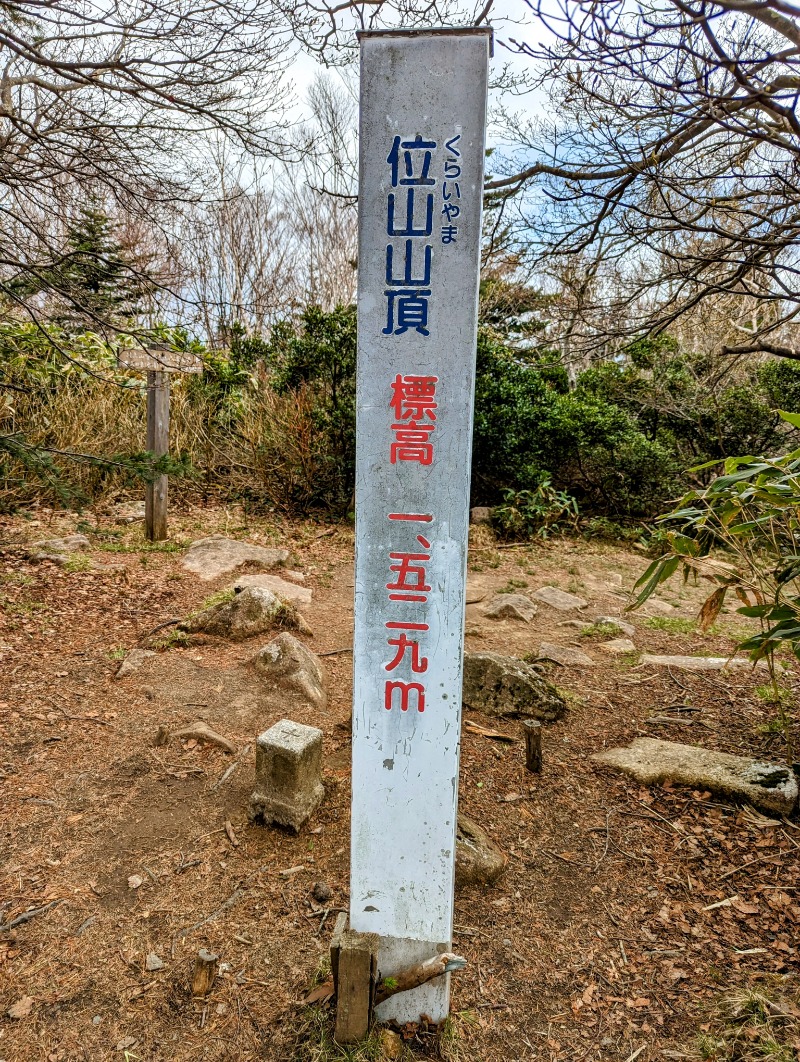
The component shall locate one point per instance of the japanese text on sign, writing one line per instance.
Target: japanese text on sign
(410, 217)
(409, 583)
(414, 405)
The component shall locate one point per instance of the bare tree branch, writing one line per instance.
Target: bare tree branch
(674, 152)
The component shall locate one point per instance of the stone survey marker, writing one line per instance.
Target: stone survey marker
(423, 107)
(288, 770)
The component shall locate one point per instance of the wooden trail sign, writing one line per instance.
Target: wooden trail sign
(422, 131)
(158, 363)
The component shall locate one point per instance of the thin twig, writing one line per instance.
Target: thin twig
(26, 916)
(232, 900)
(84, 718)
(736, 870)
(229, 770)
(167, 623)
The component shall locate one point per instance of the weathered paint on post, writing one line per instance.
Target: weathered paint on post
(159, 359)
(423, 113)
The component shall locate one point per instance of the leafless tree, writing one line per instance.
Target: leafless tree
(673, 157)
(271, 239)
(321, 196)
(117, 103)
(233, 253)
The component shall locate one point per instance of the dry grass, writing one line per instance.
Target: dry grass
(251, 444)
(754, 1025)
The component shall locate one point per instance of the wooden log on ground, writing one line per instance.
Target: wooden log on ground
(357, 969)
(418, 975)
(533, 745)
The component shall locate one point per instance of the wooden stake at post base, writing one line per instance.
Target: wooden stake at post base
(357, 972)
(533, 745)
(155, 503)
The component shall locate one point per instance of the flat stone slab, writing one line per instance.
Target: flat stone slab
(767, 786)
(618, 647)
(133, 661)
(504, 686)
(214, 556)
(292, 576)
(475, 593)
(296, 595)
(58, 549)
(68, 544)
(560, 599)
(127, 514)
(568, 655)
(511, 606)
(654, 606)
(701, 663)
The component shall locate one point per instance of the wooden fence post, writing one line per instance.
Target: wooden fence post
(533, 745)
(158, 362)
(155, 503)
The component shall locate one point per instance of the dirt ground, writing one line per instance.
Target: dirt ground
(624, 913)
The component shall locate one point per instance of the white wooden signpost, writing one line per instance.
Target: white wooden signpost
(422, 130)
(158, 363)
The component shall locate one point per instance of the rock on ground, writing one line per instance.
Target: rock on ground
(700, 663)
(767, 786)
(391, 1044)
(627, 629)
(254, 611)
(291, 592)
(511, 606)
(618, 647)
(58, 549)
(654, 606)
(568, 655)
(480, 514)
(287, 664)
(68, 544)
(292, 576)
(127, 514)
(133, 661)
(504, 686)
(475, 593)
(217, 555)
(478, 859)
(560, 599)
(21, 1009)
